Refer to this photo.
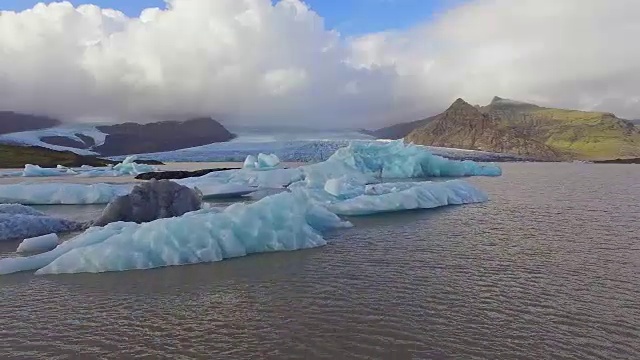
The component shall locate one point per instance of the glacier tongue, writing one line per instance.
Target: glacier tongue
(282, 222)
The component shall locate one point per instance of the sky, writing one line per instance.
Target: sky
(350, 17)
(355, 63)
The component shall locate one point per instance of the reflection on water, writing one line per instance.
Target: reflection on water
(547, 269)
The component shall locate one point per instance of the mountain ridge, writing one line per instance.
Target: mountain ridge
(465, 126)
(572, 134)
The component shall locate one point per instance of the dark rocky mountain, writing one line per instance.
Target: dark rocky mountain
(465, 126)
(132, 138)
(11, 122)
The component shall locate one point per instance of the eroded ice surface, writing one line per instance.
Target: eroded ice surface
(19, 222)
(282, 222)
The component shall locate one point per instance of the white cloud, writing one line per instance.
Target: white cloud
(252, 61)
(572, 53)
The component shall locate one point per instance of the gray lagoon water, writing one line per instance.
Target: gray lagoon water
(548, 268)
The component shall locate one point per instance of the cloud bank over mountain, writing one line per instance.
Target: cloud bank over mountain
(252, 61)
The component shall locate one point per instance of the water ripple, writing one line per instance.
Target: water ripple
(549, 268)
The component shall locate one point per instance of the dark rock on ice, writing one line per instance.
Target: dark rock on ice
(156, 199)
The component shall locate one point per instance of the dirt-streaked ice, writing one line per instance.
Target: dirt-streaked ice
(19, 222)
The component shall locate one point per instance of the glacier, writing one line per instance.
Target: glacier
(281, 222)
(19, 222)
(32, 137)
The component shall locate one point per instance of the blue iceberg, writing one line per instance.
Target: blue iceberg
(282, 222)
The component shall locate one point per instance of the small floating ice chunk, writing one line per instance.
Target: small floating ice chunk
(262, 162)
(37, 171)
(40, 243)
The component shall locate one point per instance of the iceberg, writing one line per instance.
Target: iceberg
(282, 222)
(126, 168)
(18, 221)
(262, 162)
(40, 243)
(395, 159)
(102, 193)
(37, 171)
(61, 193)
(274, 179)
(409, 196)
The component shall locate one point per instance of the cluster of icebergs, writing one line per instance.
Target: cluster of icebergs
(126, 168)
(360, 179)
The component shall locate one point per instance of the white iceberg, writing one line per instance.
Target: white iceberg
(128, 167)
(61, 193)
(39, 243)
(282, 222)
(262, 162)
(37, 171)
(19, 222)
(101, 193)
